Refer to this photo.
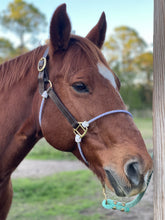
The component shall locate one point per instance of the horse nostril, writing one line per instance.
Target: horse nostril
(132, 170)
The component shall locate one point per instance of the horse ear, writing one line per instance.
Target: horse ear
(97, 34)
(60, 29)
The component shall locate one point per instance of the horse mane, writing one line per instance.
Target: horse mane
(80, 51)
(14, 70)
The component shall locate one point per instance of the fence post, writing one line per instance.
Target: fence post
(159, 110)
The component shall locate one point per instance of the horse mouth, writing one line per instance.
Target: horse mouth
(120, 187)
(115, 184)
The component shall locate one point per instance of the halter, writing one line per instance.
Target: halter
(79, 128)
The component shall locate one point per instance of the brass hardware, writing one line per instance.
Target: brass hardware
(50, 83)
(41, 64)
(80, 130)
(105, 196)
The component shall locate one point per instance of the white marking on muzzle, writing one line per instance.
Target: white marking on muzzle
(106, 73)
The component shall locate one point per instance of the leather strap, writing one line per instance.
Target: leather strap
(43, 76)
(53, 95)
(43, 79)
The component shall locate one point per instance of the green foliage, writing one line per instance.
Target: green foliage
(144, 64)
(22, 18)
(6, 49)
(5, 45)
(127, 56)
(68, 195)
(123, 46)
(137, 97)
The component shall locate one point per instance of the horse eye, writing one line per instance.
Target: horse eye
(80, 87)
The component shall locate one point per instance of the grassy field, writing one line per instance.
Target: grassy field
(145, 127)
(43, 150)
(65, 196)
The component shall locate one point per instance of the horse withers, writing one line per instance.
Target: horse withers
(75, 75)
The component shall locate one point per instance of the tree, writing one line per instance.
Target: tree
(6, 49)
(122, 48)
(127, 56)
(144, 64)
(22, 19)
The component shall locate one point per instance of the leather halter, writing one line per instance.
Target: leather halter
(79, 128)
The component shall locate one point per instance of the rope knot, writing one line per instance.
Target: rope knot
(77, 138)
(45, 94)
(85, 124)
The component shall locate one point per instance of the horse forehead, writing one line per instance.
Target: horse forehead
(106, 73)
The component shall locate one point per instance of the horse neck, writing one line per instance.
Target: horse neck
(19, 101)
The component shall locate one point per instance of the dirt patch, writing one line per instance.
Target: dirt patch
(41, 168)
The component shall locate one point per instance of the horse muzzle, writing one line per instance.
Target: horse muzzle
(133, 183)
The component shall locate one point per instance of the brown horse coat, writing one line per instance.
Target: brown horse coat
(113, 145)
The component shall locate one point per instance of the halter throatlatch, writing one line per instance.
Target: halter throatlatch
(79, 128)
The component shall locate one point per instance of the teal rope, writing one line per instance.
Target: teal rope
(122, 206)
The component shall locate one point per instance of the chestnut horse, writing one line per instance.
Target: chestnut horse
(76, 70)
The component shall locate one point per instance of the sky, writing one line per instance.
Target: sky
(84, 14)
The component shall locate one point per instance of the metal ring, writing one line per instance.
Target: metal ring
(42, 67)
(50, 83)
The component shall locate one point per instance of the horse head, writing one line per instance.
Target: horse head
(80, 75)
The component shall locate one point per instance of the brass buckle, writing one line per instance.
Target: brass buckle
(80, 130)
(41, 64)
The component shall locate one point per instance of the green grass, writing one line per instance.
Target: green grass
(145, 127)
(65, 196)
(44, 151)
